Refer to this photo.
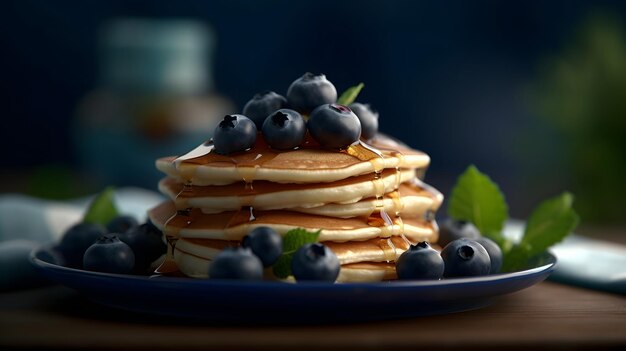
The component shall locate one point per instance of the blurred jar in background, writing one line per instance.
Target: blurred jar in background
(155, 98)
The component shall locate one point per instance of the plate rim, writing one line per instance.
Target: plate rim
(547, 267)
(335, 303)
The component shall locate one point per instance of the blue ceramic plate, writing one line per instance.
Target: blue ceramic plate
(265, 301)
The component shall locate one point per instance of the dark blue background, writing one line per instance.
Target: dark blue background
(448, 77)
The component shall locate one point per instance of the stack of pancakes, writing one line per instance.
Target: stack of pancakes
(368, 201)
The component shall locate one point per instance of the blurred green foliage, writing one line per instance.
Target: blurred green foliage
(56, 182)
(582, 93)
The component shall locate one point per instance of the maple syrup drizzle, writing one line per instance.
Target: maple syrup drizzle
(389, 226)
(172, 233)
(246, 163)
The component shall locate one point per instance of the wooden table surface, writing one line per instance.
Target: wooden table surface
(548, 315)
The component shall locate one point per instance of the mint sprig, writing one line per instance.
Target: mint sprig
(102, 208)
(549, 223)
(292, 241)
(477, 199)
(350, 94)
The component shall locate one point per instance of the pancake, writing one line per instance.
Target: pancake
(235, 225)
(194, 260)
(197, 267)
(413, 200)
(264, 195)
(374, 250)
(367, 272)
(309, 164)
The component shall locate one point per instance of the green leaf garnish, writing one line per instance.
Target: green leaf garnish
(350, 94)
(292, 241)
(549, 223)
(102, 208)
(477, 199)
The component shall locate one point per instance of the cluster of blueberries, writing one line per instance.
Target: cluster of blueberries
(122, 247)
(262, 247)
(466, 253)
(125, 247)
(280, 119)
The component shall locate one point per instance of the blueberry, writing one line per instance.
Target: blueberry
(265, 243)
(368, 118)
(284, 129)
(109, 255)
(315, 262)
(262, 105)
(121, 224)
(420, 262)
(147, 243)
(233, 134)
(334, 126)
(310, 91)
(239, 263)
(464, 258)
(495, 253)
(450, 230)
(76, 240)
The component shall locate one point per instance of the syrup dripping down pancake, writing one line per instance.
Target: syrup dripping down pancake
(264, 195)
(412, 199)
(350, 198)
(202, 166)
(236, 224)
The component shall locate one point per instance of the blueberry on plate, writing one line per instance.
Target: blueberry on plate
(334, 126)
(465, 258)
(236, 263)
(109, 255)
(146, 241)
(494, 251)
(121, 224)
(368, 118)
(450, 230)
(265, 243)
(310, 91)
(76, 240)
(262, 105)
(234, 133)
(420, 261)
(284, 129)
(315, 262)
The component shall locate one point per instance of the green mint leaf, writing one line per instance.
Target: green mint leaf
(102, 208)
(350, 94)
(477, 199)
(292, 241)
(516, 258)
(550, 222)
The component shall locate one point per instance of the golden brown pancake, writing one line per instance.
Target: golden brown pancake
(202, 166)
(236, 224)
(374, 250)
(264, 195)
(197, 266)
